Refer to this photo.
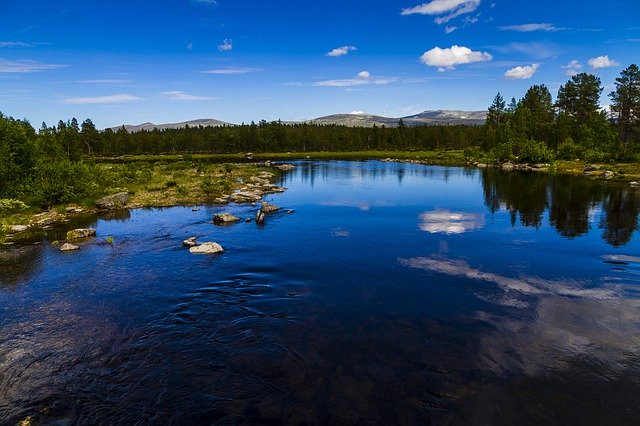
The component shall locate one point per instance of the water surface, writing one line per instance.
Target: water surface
(395, 293)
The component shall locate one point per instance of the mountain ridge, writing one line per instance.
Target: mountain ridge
(429, 117)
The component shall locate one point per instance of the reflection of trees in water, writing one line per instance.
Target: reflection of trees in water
(621, 208)
(522, 194)
(18, 264)
(569, 200)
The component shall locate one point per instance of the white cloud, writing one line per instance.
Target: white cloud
(207, 2)
(522, 73)
(226, 46)
(231, 71)
(111, 99)
(452, 56)
(527, 28)
(572, 68)
(357, 113)
(340, 51)
(190, 46)
(364, 74)
(177, 95)
(449, 8)
(447, 222)
(26, 66)
(449, 29)
(15, 44)
(602, 62)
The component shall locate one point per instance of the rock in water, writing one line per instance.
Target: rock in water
(68, 247)
(269, 208)
(286, 167)
(207, 248)
(77, 234)
(260, 217)
(225, 218)
(115, 201)
(190, 242)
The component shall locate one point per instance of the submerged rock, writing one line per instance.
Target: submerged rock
(115, 201)
(207, 248)
(77, 234)
(269, 208)
(225, 218)
(190, 242)
(68, 247)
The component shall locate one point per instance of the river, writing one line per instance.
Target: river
(393, 294)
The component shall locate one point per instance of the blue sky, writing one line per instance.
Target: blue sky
(241, 60)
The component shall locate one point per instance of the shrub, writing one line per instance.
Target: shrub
(534, 152)
(9, 205)
(569, 150)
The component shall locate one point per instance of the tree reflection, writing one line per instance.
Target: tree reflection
(569, 200)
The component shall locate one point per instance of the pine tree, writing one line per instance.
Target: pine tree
(625, 103)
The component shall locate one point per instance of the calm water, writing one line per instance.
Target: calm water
(395, 294)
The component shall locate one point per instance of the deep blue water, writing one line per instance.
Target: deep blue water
(394, 294)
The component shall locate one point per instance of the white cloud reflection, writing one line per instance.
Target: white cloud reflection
(448, 222)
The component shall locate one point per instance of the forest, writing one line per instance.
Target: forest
(59, 164)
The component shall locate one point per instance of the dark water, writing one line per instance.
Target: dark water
(394, 294)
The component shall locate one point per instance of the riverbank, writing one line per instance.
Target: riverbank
(154, 184)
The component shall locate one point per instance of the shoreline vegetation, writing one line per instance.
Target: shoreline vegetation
(58, 171)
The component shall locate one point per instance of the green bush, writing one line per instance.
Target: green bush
(208, 186)
(9, 205)
(569, 150)
(534, 152)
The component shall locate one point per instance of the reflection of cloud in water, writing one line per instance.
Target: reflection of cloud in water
(361, 205)
(444, 221)
(526, 285)
(597, 327)
(621, 258)
(339, 232)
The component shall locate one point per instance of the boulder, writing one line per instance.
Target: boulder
(634, 184)
(245, 197)
(268, 208)
(285, 167)
(607, 174)
(591, 168)
(77, 234)
(508, 166)
(225, 218)
(248, 219)
(207, 248)
(220, 200)
(19, 228)
(249, 156)
(260, 216)
(68, 247)
(73, 210)
(482, 166)
(190, 242)
(115, 201)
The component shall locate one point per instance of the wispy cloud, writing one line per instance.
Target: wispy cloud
(363, 78)
(226, 45)
(110, 99)
(231, 71)
(26, 66)
(602, 62)
(104, 81)
(206, 2)
(522, 73)
(447, 59)
(177, 95)
(572, 68)
(447, 9)
(190, 46)
(527, 28)
(340, 51)
(16, 44)
(532, 49)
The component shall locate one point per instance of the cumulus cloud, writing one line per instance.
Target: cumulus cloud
(340, 51)
(602, 62)
(572, 68)
(110, 99)
(522, 73)
(177, 95)
(364, 74)
(226, 45)
(450, 57)
(357, 113)
(26, 66)
(230, 71)
(527, 28)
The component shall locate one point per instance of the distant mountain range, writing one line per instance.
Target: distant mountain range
(442, 117)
